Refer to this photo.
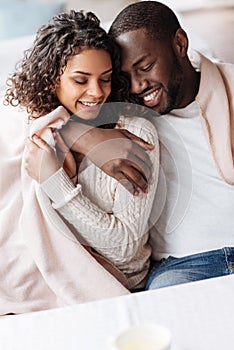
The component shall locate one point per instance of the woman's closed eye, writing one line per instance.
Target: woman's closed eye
(106, 80)
(81, 82)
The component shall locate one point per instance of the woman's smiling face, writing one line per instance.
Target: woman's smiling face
(85, 83)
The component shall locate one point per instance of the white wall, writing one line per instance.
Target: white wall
(106, 10)
(182, 5)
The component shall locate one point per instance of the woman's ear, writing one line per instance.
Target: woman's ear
(180, 43)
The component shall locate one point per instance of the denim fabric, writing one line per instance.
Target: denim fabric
(171, 271)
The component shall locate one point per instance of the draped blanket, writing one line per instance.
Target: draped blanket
(216, 101)
(42, 265)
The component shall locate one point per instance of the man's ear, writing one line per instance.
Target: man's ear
(180, 43)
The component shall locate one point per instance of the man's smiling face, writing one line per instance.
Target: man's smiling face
(154, 70)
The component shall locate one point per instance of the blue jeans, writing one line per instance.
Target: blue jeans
(171, 271)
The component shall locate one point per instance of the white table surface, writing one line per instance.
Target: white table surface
(199, 315)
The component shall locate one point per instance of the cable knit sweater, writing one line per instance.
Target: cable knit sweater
(105, 215)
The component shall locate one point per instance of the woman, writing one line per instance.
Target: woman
(74, 64)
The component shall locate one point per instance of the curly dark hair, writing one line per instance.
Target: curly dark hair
(159, 21)
(34, 82)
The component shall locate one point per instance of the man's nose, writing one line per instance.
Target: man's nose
(138, 85)
(95, 89)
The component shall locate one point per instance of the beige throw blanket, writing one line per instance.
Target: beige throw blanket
(42, 265)
(216, 101)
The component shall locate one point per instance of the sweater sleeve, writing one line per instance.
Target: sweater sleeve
(116, 234)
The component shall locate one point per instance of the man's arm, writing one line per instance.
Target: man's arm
(118, 153)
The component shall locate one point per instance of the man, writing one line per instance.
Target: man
(192, 221)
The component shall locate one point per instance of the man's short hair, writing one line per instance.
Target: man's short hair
(159, 21)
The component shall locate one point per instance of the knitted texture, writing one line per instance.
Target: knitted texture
(106, 216)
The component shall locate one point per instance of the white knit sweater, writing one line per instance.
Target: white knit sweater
(105, 215)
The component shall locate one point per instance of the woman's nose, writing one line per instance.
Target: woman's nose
(95, 89)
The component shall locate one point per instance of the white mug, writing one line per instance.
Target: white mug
(143, 337)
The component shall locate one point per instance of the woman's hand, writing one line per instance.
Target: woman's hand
(41, 160)
(117, 152)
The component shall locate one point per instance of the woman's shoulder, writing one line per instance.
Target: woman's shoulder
(140, 127)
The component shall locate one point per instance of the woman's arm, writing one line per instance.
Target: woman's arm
(115, 235)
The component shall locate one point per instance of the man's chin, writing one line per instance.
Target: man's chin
(160, 111)
(164, 110)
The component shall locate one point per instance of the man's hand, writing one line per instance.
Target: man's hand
(65, 156)
(117, 152)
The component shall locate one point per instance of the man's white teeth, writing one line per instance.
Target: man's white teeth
(90, 104)
(151, 96)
